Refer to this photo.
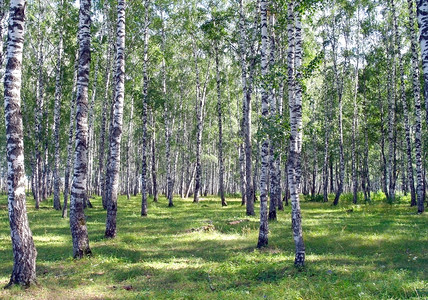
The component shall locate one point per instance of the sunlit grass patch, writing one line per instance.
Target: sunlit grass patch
(205, 251)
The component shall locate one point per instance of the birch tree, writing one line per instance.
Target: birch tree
(57, 118)
(263, 231)
(24, 251)
(145, 96)
(417, 99)
(422, 11)
(295, 52)
(116, 133)
(79, 232)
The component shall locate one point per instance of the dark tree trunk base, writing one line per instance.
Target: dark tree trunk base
(83, 253)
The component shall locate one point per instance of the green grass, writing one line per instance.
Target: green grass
(376, 251)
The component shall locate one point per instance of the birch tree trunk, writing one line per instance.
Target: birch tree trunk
(78, 228)
(355, 120)
(145, 87)
(39, 125)
(339, 88)
(274, 182)
(199, 115)
(422, 12)
(246, 88)
(128, 151)
(24, 251)
(169, 179)
(57, 118)
(243, 184)
(91, 134)
(220, 128)
(391, 112)
(101, 157)
(296, 130)
(2, 15)
(411, 181)
(327, 136)
(116, 133)
(264, 230)
(70, 140)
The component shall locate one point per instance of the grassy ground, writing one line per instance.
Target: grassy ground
(376, 251)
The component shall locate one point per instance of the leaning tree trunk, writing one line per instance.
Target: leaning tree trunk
(265, 157)
(24, 252)
(116, 133)
(145, 98)
(422, 10)
(78, 228)
(57, 118)
(296, 130)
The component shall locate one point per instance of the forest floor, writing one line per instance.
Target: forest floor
(204, 251)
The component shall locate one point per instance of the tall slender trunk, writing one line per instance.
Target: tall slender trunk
(78, 228)
(220, 128)
(339, 89)
(265, 155)
(39, 126)
(145, 96)
(57, 119)
(296, 130)
(422, 12)
(70, 139)
(117, 121)
(242, 174)
(411, 181)
(91, 133)
(327, 135)
(166, 117)
(366, 174)
(103, 133)
(24, 251)
(128, 151)
(274, 182)
(355, 119)
(247, 90)
(391, 113)
(199, 115)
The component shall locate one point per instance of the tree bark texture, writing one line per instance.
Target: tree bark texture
(78, 227)
(116, 133)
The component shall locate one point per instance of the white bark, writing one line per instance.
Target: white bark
(24, 252)
(78, 228)
(117, 122)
